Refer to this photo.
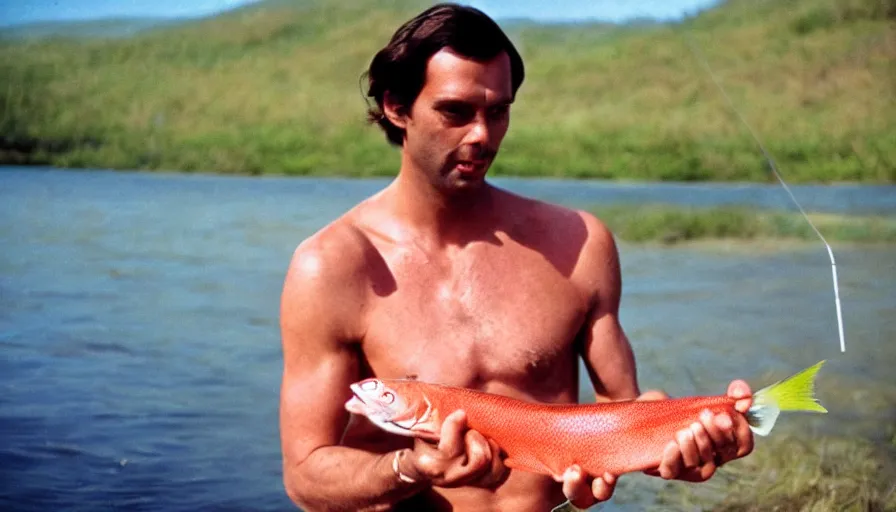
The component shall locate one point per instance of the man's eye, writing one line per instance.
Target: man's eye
(457, 112)
(498, 112)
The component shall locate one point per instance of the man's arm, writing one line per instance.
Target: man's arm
(322, 310)
(608, 357)
(320, 316)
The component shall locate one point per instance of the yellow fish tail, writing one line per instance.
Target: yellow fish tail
(795, 393)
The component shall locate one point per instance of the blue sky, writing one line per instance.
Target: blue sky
(23, 11)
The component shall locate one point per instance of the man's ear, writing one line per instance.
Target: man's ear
(394, 112)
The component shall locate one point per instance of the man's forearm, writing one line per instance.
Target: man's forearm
(336, 478)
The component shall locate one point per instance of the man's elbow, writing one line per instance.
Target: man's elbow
(297, 491)
(292, 490)
(305, 493)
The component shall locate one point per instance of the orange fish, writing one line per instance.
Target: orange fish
(614, 437)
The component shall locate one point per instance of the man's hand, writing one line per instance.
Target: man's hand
(463, 457)
(714, 440)
(694, 455)
(582, 490)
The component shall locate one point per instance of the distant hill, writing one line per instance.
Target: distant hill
(103, 28)
(274, 88)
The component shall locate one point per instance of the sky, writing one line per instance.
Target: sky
(13, 12)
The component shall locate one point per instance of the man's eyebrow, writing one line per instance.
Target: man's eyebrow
(451, 102)
(456, 101)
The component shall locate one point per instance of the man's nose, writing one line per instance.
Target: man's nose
(479, 132)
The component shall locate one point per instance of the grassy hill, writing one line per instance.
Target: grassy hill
(274, 88)
(103, 28)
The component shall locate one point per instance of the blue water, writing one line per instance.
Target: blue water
(141, 357)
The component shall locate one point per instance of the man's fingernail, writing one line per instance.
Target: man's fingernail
(723, 421)
(706, 415)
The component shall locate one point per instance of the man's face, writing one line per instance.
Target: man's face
(459, 119)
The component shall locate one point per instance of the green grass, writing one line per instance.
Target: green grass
(673, 224)
(273, 88)
(796, 473)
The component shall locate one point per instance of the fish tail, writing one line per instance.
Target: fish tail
(795, 393)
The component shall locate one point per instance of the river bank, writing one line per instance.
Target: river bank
(667, 224)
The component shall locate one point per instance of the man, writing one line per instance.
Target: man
(446, 278)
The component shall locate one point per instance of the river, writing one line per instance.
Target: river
(141, 357)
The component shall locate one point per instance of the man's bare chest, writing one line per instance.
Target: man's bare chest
(502, 314)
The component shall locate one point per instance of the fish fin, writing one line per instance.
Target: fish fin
(795, 393)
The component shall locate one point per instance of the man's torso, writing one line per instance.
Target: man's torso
(499, 313)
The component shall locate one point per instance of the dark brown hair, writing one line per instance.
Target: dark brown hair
(400, 67)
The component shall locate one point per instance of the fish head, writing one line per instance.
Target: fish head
(400, 407)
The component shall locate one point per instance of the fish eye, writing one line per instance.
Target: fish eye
(388, 397)
(370, 385)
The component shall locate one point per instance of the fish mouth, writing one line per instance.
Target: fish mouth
(371, 408)
(356, 404)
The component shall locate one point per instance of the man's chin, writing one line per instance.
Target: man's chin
(465, 181)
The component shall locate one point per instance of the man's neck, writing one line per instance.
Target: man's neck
(455, 217)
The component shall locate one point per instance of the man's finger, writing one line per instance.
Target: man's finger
(706, 471)
(498, 471)
(725, 425)
(468, 469)
(602, 488)
(451, 441)
(670, 466)
(744, 437)
(699, 474)
(652, 395)
(740, 391)
(704, 443)
(718, 436)
(688, 448)
(478, 453)
(576, 488)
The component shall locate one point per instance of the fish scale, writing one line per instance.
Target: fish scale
(614, 437)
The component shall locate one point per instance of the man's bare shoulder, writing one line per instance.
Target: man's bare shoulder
(329, 276)
(561, 220)
(338, 251)
(577, 241)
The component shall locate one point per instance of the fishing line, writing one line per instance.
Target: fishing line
(700, 57)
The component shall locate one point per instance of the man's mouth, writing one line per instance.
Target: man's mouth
(471, 166)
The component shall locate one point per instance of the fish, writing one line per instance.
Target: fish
(615, 437)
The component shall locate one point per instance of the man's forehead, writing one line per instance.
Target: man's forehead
(449, 74)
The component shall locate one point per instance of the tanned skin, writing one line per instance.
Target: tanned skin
(446, 278)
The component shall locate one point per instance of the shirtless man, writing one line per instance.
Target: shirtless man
(447, 278)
